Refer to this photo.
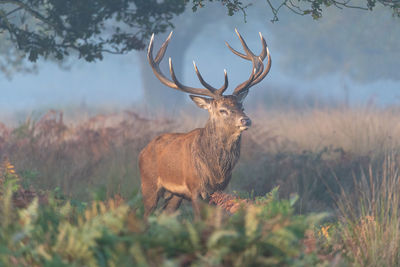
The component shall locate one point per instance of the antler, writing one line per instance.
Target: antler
(258, 73)
(175, 84)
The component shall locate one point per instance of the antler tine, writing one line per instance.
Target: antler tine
(245, 47)
(202, 81)
(175, 84)
(164, 46)
(263, 51)
(155, 64)
(221, 90)
(267, 69)
(248, 55)
(264, 47)
(187, 89)
(259, 72)
(236, 52)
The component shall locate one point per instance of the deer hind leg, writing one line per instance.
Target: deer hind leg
(172, 203)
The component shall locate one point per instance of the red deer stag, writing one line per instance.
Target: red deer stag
(191, 165)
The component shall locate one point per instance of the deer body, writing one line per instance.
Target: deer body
(194, 165)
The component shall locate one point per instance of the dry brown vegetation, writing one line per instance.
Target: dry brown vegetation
(101, 151)
(358, 131)
(309, 152)
(336, 159)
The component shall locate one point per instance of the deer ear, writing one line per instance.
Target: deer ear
(241, 96)
(201, 102)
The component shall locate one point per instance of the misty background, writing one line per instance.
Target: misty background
(348, 57)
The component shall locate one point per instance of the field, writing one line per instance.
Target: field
(319, 186)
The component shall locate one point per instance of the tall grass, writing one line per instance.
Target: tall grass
(342, 160)
(307, 151)
(358, 131)
(369, 218)
(301, 151)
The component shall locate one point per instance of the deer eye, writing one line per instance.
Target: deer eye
(223, 112)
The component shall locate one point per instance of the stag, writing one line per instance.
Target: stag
(193, 165)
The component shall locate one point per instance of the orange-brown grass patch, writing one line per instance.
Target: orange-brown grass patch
(228, 202)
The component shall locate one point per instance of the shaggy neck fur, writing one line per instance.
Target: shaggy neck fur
(216, 155)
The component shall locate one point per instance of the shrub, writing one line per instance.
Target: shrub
(112, 233)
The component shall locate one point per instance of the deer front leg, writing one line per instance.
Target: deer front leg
(172, 203)
(196, 206)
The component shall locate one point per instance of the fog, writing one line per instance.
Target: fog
(117, 81)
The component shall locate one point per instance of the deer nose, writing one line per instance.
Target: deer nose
(245, 121)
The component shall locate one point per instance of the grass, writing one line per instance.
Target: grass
(359, 131)
(339, 160)
(370, 219)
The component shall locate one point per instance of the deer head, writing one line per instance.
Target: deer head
(225, 110)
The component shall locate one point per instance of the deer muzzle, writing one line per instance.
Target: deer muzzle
(244, 123)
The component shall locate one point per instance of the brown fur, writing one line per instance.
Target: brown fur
(190, 165)
(198, 163)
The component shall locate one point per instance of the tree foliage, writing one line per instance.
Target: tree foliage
(315, 8)
(57, 28)
(12, 60)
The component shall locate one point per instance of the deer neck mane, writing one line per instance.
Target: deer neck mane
(216, 137)
(217, 153)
